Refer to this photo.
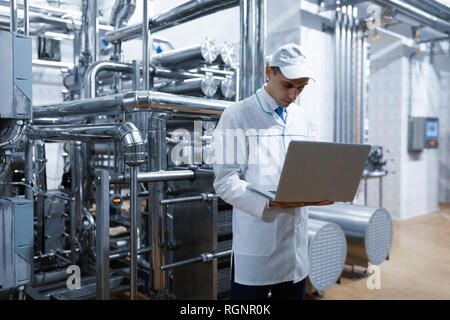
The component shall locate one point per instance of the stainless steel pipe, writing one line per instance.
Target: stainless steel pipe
(188, 57)
(252, 38)
(133, 101)
(134, 211)
(155, 176)
(90, 83)
(183, 13)
(206, 85)
(204, 257)
(368, 230)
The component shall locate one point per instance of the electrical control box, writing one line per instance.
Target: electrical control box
(15, 76)
(16, 238)
(423, 133)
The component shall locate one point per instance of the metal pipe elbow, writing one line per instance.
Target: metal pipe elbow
(132, 143)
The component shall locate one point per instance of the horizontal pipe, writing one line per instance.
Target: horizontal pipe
(204, 257)
(202, 197)
(126, 133)
(132, 101)
(417, 14)
(154, 176)
(52, 64)
(186, 12)
(183, 57)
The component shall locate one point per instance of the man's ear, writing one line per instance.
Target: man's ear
(268, 72)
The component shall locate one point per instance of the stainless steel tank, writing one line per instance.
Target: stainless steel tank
(368, 230)
(327, 250)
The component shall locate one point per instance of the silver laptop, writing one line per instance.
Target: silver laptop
(318, 171)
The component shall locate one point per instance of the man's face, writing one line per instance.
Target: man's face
(283, 90)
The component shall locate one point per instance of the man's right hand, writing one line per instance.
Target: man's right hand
(290, 205)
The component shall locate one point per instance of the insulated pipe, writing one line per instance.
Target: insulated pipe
(90, 83)
(188, 57)
(368, 230)
(133, 101)
(126, 133)
(206, 85)
(183, 13)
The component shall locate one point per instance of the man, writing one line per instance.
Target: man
(270, 242)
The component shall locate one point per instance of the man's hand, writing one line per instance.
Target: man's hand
(290, 205)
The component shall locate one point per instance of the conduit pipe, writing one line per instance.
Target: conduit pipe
(133, 101)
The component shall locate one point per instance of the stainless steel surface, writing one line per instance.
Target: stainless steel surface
(185, 12)
(417, 14)
(145, 47)
(26, 20)
(252, 38)
(134, 211)
(133, 101)
(206, 85)
(368, 230)
(228, 87)
(155, 176)
(326, 253)
(188, 57)
(13, 15)
(90, 83)
(102, 234)
(157, 161)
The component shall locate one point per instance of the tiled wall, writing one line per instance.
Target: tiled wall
(411, 187)
(444, 137)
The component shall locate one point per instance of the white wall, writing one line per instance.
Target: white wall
(444, 140)
(411, 187)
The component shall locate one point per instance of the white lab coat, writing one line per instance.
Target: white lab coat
(270, 245)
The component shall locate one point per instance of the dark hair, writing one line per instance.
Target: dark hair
(275, 70)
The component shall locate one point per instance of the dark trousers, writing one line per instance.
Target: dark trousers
(280, 291)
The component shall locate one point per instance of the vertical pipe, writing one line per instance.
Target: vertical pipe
(73, 203)
(260, 44)
(157, 158)
(29, 169)
(351, 78)
(102, 234)
(133, 230)
(337, 36)
(252, 51)
(237, 83)
(145, 42)
(26, 20)
(344, 78)
(341, 74)
(13, 16)
(93, 28)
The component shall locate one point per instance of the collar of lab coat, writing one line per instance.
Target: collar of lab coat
(267, 101)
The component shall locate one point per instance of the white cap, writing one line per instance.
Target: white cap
(292, 61)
